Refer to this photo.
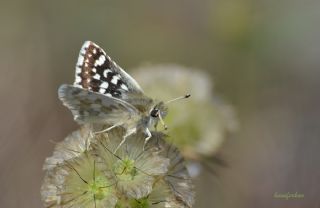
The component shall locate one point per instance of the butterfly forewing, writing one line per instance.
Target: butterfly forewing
(95, 71)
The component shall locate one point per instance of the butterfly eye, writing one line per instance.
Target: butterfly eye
(154, 113)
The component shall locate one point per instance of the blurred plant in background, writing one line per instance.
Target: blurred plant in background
(84, 172)
(197, 126)
(262, 55)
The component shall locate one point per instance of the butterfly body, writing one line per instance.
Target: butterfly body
(104, 93)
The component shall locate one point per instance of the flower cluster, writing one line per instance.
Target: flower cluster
(85, 171)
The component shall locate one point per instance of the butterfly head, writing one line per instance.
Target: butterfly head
(157, 113)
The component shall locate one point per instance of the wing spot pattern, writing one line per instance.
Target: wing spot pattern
(96, 70)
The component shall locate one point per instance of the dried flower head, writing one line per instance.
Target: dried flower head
(177, 177)
(80, 182)
(160, 197)
(135, 169)
(95, 176)
(71, 147)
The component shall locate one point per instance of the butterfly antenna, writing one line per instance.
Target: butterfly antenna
(178, 98)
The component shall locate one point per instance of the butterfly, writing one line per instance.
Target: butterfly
(103, 93)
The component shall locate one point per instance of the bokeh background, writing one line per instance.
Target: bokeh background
(263, 56)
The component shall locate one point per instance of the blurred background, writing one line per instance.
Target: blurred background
(262, 55)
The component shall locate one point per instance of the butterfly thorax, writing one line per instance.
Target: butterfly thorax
(149, 110)
(141, 102)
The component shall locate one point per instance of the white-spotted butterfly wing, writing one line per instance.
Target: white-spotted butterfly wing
(101, 89)
(96, 72)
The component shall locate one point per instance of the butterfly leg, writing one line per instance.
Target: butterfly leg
(131, 131)
(149, 135)
(108, 129)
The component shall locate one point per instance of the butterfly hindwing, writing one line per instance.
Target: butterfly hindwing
(87, 106)
(95, 71)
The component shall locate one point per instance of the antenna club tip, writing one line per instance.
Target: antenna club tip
(187, 95)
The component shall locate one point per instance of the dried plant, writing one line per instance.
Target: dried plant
(84, 172)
